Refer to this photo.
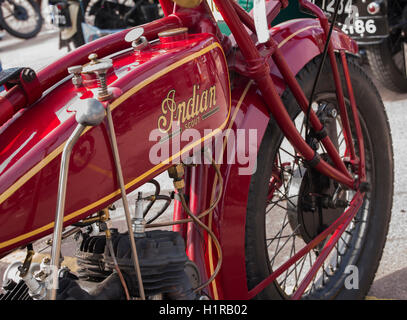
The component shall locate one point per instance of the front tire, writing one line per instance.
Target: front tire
(364, 238)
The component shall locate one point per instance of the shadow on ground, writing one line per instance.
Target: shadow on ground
(392, 286)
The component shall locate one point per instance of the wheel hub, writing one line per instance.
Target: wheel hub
(315, 202)
(20, 13)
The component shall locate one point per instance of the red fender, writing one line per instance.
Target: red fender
(300, 41)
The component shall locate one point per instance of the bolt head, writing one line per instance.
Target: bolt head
(28, 74)
(333, 113)
(93, 57)
(139, 44)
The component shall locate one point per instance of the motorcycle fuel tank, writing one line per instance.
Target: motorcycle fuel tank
(172, 85)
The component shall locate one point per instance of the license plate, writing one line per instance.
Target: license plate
(328, 6)
(354, 20)
(366, 27)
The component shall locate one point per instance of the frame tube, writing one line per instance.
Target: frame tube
(260, 72)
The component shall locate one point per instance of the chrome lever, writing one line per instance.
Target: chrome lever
(90, 112)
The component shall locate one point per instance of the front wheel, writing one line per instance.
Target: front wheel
(21, 18)
(290, 203)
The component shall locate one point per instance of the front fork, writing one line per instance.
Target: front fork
(260, 72)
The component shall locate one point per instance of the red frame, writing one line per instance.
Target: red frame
(259, 70)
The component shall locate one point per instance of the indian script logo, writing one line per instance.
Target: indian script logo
(189, 112)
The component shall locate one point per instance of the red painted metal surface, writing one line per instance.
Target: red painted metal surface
(32, 139)
(197, 202)
(50, 75)
(230, 215)
(304, 104)
(359, 134)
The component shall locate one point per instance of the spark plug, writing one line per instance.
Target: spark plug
(139, 222)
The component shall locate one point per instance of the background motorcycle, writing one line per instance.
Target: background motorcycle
(20, 18)
(380, 31)
(82, 21)
(387, 48)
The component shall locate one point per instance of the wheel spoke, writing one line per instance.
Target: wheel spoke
(280, 232)
(286, 198)
(292, 234)
(309, 272)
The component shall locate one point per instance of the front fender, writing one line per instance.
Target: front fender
(300, 41)
(228, 218)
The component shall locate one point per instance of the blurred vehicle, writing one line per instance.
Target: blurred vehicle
(83, 21)
(21, 18)
(387, 48)
(379, 28)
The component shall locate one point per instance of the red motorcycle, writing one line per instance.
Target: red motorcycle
(276, 140)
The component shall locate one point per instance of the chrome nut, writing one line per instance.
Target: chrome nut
(90, 112)
(139, 44)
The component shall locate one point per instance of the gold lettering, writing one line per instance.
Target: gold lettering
(204, 99)
(168, 104)
(184, 111)
(181, 112)
(196, 109)
(212, 99)
(190, 105)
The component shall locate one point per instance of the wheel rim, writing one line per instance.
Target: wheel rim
(20, 16)
(285, 233)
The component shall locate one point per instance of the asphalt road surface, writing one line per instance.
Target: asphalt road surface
(391, 278)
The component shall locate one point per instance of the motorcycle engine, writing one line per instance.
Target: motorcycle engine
(165, 267)
(166, 271)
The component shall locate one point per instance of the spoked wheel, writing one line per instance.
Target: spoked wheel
(21, 18)
(290, 203)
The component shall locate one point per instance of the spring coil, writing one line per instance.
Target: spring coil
(102, 85)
